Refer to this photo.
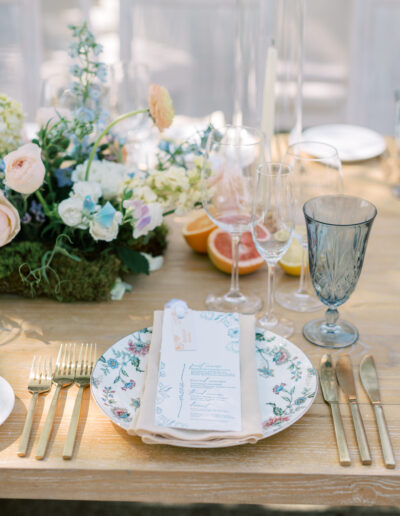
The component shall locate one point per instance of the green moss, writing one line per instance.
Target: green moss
(90, 279)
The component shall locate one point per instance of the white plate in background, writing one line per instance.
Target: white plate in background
(353, 143)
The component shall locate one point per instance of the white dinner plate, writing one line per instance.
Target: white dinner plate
(353, 143)
(287, 381)
(7, 400)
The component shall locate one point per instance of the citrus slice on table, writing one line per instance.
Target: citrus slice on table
(219, 248)
(291, 260)
(196, 232)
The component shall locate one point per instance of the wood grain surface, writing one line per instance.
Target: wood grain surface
(297, 466)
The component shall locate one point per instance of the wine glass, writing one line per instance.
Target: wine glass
(338, 228)
(228, 180)
(317, 171)
(273, 213)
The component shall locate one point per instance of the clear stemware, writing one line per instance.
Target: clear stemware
(273, 210)
(228, 181)
(317, 171)
(338, 228)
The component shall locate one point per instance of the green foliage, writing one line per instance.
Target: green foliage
(76, 277)
(133, 260)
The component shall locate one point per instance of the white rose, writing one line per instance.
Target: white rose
(85, 188)
(153, 219)
(100, 232)
(71, 212)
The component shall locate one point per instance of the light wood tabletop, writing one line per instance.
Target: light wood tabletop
(297, 466)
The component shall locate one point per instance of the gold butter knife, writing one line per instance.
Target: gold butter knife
(344, 373)
(369, 379)
(330, 392)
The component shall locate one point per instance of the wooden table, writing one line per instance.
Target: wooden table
(297, 466)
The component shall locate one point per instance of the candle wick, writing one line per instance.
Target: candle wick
(272, 42)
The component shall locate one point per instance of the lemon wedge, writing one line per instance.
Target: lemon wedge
(291, 260)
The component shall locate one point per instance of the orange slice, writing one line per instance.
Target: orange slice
(196, 232)
(219, 248)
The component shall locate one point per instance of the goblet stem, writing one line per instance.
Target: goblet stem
(331, 317)
(234, 290)
(304, 284)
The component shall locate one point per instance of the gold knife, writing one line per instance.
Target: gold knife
(330, 391)
(344, 373)
(369, 379)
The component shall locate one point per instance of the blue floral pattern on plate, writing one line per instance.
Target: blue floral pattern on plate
(287, 381)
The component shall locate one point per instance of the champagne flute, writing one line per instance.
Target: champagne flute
(228, 180)
(273, 210)
(317, 171)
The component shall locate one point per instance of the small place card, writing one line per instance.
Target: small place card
(199, 376)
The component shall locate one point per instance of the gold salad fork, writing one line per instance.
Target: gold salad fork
(64, 375)
(84, 368)
(39, 382)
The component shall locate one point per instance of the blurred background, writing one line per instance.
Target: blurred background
(351, 58)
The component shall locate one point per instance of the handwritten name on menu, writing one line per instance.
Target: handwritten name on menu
(199, 384)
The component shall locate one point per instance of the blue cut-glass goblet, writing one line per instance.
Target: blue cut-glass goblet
(338, 227)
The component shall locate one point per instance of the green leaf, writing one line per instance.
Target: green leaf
(134, 260)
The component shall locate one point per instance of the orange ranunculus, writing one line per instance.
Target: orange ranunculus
(161, 107)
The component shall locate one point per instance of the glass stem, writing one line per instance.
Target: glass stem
(270, 292)
(304, 287)
(331, 317)
(234, 290)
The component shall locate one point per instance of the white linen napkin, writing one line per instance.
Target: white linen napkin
(144, 424)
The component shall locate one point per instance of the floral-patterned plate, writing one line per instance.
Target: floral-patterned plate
(287, 381)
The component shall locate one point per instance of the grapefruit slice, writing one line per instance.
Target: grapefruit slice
(196, 232)
(219, 248)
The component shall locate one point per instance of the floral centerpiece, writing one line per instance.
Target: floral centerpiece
(74, 217)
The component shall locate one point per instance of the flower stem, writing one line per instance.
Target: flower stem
(103, 133)
(42, 201)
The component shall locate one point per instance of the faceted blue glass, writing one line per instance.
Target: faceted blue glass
(338, 227)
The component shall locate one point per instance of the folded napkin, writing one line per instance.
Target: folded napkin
(144, 424)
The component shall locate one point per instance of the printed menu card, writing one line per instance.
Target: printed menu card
(199, 374)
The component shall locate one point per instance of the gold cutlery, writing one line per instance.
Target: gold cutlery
(369, 379)
(330, 391)
(344, 372)
(84, 367)
(64, 375)
(39, 382)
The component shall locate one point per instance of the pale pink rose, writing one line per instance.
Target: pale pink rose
(161, 107)
(24, 169)
(9, 220)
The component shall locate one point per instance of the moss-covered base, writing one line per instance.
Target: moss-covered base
(65, 279)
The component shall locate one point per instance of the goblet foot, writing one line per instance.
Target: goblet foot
(278, 325)
(289, 297)
(236, 302)
(336, 336)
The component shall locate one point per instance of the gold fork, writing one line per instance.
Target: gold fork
(39, 382)
(64, 375)
(84, 368)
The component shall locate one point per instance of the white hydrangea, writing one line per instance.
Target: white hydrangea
(85, 188)
(11, 118)
(109, 175)
(175, 188)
